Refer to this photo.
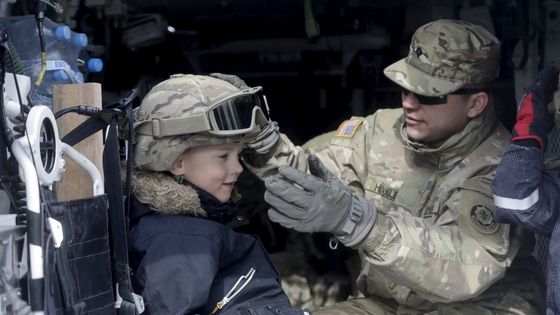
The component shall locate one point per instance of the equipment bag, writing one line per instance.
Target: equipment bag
(126, 301)
(80, 268)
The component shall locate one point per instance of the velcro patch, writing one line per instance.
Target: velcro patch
(482, 219)
(349, 127)
(385, 191)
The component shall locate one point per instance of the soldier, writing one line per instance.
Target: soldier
(185, 256)
(409, 189)
(525, 188)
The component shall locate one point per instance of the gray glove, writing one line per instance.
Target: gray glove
(231, 79)
(266, 140)
(318, 203)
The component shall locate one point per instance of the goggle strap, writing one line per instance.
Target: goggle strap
(173, 126)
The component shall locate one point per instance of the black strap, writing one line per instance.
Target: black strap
(111, 166)
(117, 211)
(84, 130)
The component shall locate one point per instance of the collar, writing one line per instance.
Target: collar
(164, 194)
(456, 147)
(215, 209)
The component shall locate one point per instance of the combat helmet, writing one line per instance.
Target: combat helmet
(187, 111)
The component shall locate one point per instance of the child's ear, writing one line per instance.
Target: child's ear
(177, 167)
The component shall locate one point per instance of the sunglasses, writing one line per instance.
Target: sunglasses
(438, 100)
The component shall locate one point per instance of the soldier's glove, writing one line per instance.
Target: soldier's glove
(266, 139)
(231, 79)
(533, 118)
(319, 202)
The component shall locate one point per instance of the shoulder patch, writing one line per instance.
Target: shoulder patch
(349, 127)
(482, 219)
(476, 218)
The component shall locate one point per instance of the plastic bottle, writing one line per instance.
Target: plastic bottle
(67, 62)
(87, 65)
(25, 35)
(76, 58)
(57, 72)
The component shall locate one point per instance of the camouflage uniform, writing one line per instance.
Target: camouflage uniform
(304, 286)
(434, 248)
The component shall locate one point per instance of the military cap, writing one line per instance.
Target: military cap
(445, 56)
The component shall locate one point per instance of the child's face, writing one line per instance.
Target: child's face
(212, 168)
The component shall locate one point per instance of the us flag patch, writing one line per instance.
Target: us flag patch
(349, 127)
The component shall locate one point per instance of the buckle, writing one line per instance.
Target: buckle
(137, 299)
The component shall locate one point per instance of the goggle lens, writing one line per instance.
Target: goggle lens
(237, 113)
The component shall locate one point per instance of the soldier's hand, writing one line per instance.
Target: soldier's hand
(318, 202)
(533, 118)
(266, 139)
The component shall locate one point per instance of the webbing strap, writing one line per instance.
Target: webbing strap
(111, 167)
(84, 130)
(128, 302)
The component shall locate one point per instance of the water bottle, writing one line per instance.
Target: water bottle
(66, 62)
(87, 65)
(77, 58)
(56, 72)
(25, 35)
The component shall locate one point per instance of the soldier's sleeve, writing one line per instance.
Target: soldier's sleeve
(524, 192)
(285, 152)
(344, 154)
(456, 258)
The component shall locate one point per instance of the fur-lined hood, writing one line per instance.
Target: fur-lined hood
(165, 195)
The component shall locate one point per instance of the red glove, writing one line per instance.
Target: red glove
(533, 118)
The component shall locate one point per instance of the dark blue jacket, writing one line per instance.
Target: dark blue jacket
(186, 265)
(527, 194)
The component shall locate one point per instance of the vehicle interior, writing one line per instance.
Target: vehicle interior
(319, 62)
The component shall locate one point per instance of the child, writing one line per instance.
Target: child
(185, 256)
(525, 189)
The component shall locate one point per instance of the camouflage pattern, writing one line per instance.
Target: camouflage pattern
(305, 287)
(446, 55)
(319, 142)
(434, 242)
(373, 305)
(495, 302)
(182, 95)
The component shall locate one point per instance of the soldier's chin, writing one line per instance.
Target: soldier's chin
(414, 134)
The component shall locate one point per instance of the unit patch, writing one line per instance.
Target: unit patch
(349, 127)
(482, 219)
(385, 191)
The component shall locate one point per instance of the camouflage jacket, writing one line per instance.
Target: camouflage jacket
(434, 239)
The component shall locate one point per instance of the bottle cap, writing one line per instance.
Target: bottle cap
(60, 75)
(80, 40)
(62, 32)
(95, 65)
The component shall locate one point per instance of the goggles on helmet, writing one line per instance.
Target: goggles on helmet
(236, 114)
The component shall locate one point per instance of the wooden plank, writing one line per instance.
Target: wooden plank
(76, 182)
